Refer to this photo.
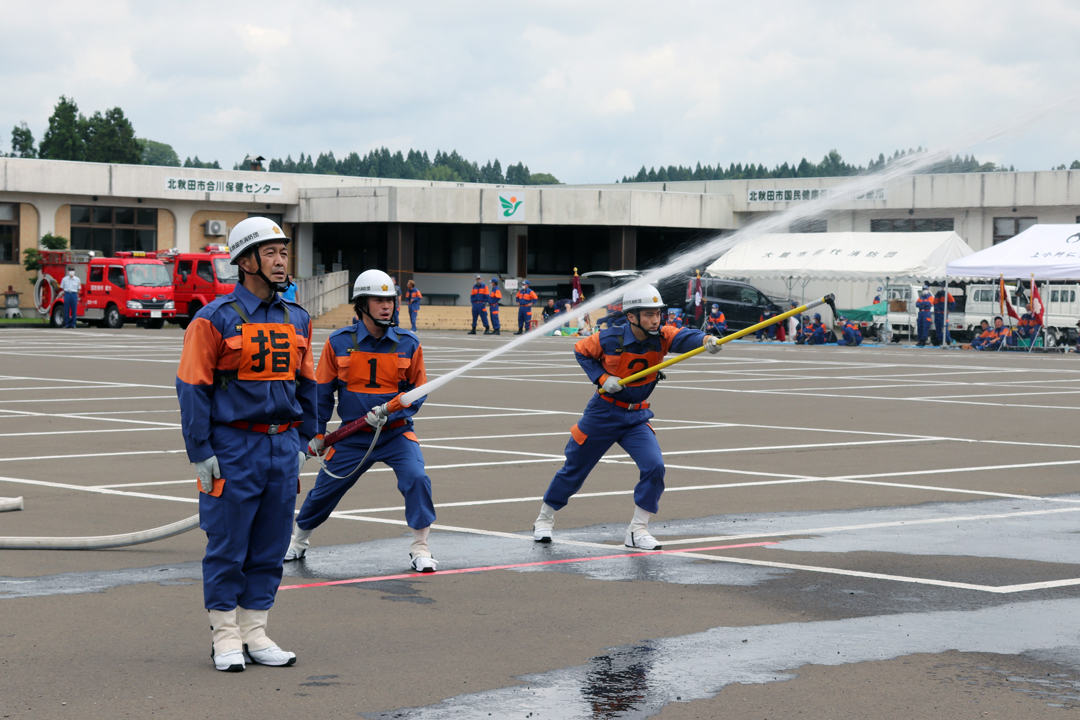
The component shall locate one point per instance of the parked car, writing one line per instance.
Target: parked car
(742, 303)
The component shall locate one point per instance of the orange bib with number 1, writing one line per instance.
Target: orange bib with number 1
(269, 352)
(373, 373)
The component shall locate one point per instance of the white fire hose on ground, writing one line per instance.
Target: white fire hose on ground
(100, 542)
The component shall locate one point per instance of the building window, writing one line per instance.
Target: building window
(112, 230)
(1009, 227)
(558, 249)
(912, 225)
(9, 232)
(809, 226)
(459, 248)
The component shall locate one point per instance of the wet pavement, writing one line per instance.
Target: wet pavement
(906, 514)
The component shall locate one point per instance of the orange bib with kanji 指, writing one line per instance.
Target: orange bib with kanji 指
(268, 351)
(372, 373)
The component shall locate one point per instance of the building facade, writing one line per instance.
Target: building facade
(443, 234)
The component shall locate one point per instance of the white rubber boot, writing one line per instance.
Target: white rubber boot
(419, 553)
(544, 524)
(637, 535)
(259, 648)
(227, 649)
(299, 544)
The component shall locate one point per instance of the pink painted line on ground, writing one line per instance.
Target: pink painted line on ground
(520, 565)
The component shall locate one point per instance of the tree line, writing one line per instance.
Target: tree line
(832, 165)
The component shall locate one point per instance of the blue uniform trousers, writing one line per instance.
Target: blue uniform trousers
(495, 325)
(399, 452)
(478, 311)
(412, 319)
(923, 326)
(941, 329)
(524, 318)
(71, 306)
(604, 424)
(248, 527)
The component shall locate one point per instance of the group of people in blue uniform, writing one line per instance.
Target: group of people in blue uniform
(254, 407)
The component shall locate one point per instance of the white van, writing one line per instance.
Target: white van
(1062, 308)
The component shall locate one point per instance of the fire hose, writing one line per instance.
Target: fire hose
(100, 542)
(827, 300)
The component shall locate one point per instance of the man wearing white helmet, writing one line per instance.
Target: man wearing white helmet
(368, 366)
(620, 414)
(246, 385)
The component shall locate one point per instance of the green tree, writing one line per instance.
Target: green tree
(110, 138)
(441, 173)
(543, 179)
(156, 153)
(22, 142)
(63, 140)
(32, 256)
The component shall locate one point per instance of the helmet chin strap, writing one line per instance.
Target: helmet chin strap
(650, 333)
(381, 323)
(276, 287)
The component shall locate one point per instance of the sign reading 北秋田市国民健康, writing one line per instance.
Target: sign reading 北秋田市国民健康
(231, 187)
(801, 194)
(511, 206)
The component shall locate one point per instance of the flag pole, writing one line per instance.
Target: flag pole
(829, 300)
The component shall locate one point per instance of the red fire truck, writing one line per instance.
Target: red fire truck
(131, 286)
(199, 278)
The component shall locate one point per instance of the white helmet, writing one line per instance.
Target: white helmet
(252, 232)
(642, 298)
(373, 283)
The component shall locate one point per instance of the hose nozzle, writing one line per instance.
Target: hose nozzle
(830, 300)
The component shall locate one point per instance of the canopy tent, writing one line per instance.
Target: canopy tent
(1049, 252)
(843, 256)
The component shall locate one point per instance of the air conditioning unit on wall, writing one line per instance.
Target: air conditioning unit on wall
(214, 228)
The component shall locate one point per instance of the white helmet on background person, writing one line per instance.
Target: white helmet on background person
(248, 235)
(374, 283)
(251, 233)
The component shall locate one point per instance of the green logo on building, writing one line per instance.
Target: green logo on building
(509, 207)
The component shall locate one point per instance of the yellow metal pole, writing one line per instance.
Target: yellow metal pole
(827, 300)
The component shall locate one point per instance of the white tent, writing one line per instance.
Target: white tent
(1049, 252)
(843, 256)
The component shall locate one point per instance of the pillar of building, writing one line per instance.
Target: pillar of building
(305, 244)
(517, 251)
(400, 251)
(623, 248)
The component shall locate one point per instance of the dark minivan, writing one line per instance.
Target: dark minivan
(742, 303)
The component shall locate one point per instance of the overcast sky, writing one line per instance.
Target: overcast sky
(587, 91)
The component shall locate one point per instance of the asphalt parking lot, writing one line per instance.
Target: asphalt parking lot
(872, 532)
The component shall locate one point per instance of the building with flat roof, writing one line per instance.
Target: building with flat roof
(443, 234)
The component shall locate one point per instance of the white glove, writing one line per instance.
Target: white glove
(303, 459)
(315, 447)
(206, 470)
(377, 417)
(712, 344)
(612, 386)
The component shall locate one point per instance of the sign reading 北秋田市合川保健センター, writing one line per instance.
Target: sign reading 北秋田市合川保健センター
(231, 187)
(800, 194)
(511, 206)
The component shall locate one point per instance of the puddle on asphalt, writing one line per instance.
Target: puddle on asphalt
(637, 681)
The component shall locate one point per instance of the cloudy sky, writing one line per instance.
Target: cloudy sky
(589, 91)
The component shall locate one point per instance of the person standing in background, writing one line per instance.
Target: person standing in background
(479, 299)
(525, 299)
(290, 292)
(71, 286)
(412, 300)
(494, 296)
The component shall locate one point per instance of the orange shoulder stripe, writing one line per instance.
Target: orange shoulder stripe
(307, 364)
(328, 366)
(199, 358)
(590, 346)
(415, 373)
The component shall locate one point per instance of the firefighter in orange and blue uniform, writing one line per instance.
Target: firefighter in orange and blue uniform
(247, 393)
(941, 329)
(817, 332)
(675, 318)
(479, 299)
(412, 300)
(924, 306)
(716, 322)
(368, 366)
(525, 298)
(621, 414)
(850, 334)
(494, 296)
(769, 332)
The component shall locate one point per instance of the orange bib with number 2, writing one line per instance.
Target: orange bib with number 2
(268, 352)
